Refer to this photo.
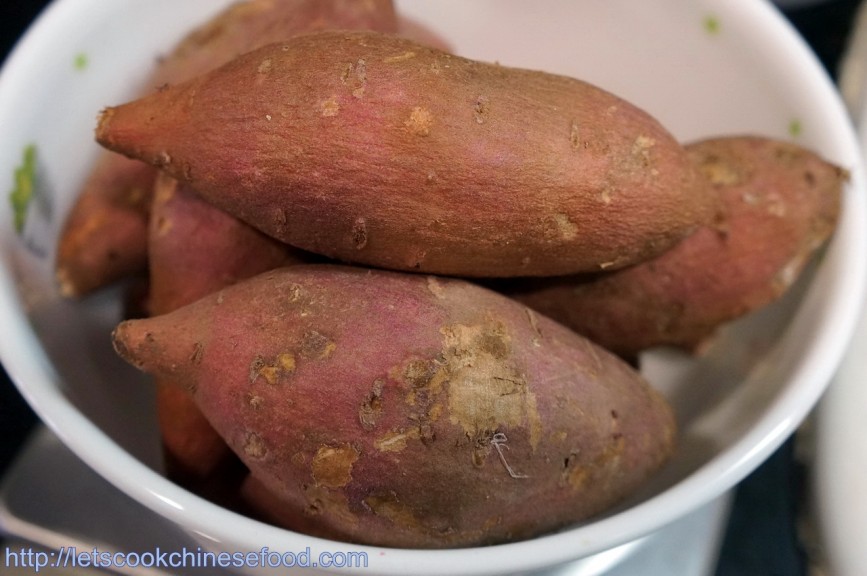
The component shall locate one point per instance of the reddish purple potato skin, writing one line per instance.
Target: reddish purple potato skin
(104, 237)
(780, 205)
(409, 411)
(376, 150)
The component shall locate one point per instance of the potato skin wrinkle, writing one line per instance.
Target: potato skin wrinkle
(376, 150)
(416, 411)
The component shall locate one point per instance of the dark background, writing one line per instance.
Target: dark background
(761, 538)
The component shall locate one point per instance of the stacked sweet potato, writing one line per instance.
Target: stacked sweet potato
(327, 209)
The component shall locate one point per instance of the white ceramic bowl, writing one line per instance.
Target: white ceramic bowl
(703, 67)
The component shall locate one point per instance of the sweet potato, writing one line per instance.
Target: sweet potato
(195, 250)
(781, 204)
(105, 235)
(376, 150)
(408, 410)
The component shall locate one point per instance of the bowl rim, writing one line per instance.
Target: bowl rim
(39, 383)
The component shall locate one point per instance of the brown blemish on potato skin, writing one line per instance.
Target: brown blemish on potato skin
(266, 66)
(479, 456)
(485, 393)
(286, 361)
(198, 352)
(396, 441)
(332, 465)
(580, 476)
(776, 205)
(435, 287)
(481, 109)
(534, 325)
(270, 373)
(420, 121)
(295, 292)
(280, 217)
(388, 506)
(568, 229)
(322, 500)
(371, 408)
(419, 373)
(316, 345)
(354, 76)
(576, 476)
(720, 173)
(642, 148)
(424, 380)
(486, 389)
(282, 365)
(255, 401)
(255, 368)
(574, 136)
(254, 446)
(330, 107)
(400, 58)
(359, 233)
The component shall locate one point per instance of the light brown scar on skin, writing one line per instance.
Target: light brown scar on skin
(324, 500)
(481, 109)
(400, 58)
(316, 345)
(282, 365)
(719, 173)
(568, 229)
(371, 407)
(332, 465)
(419, 122)
(396, 441)
(198, 352)
(355, 77)
(534, 324)
(575, 136)
(254, 446)
(390, 508)
(641, 149)
(486, 389)
(435, 287)
(265, 66)
(359, 233)
(255, 402)
(330, 107)
(295, 292)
